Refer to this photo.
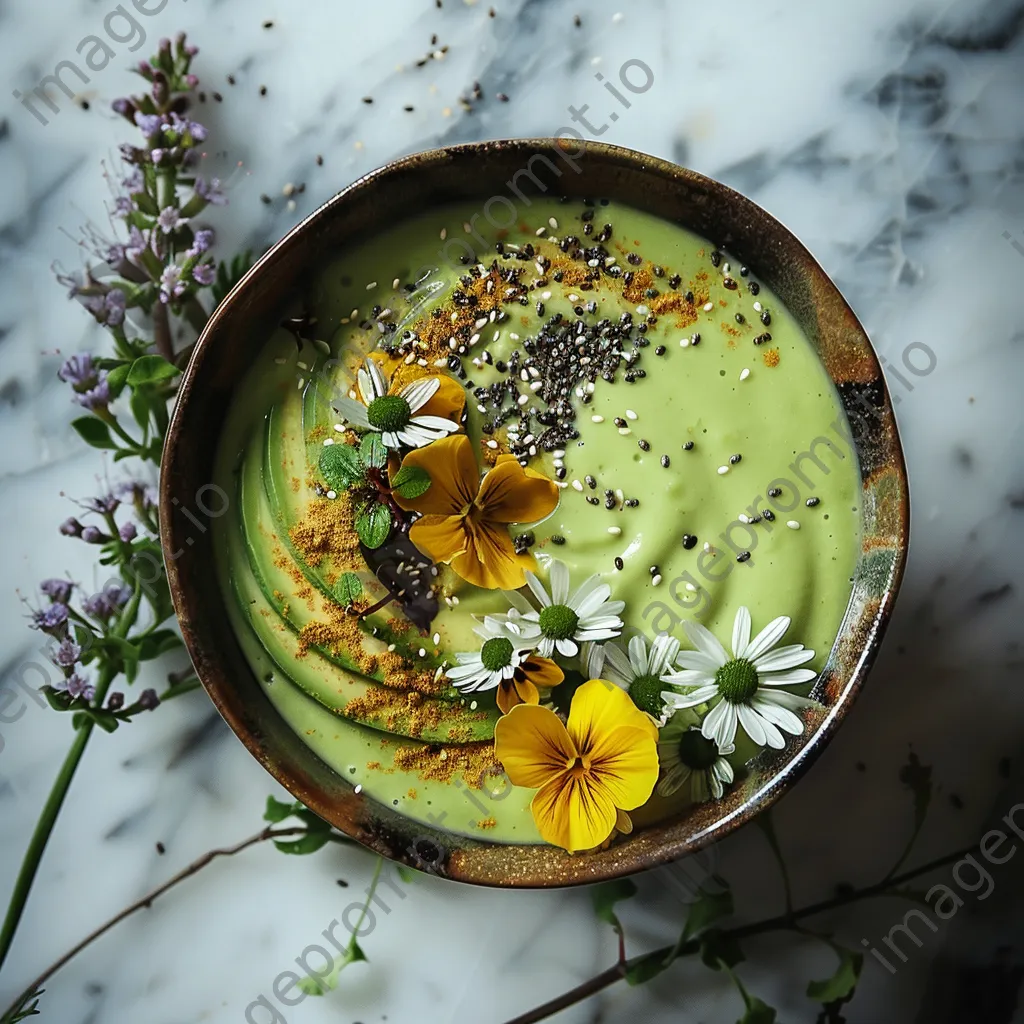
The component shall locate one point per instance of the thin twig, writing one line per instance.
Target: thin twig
(787, 920)
(150, 898)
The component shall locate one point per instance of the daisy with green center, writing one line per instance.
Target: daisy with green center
(642, 673)
(563, 622)
(691, 762)
(392, 413)
(745, 685)
(503, 650)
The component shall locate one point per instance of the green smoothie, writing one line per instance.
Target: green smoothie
(698, 448)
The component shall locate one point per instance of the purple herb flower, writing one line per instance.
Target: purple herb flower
(122, 206)
(98, 606)
(134, 182)
(51, 619)
(106, 505)
(204, 273)
(183, 126)
(150, 124)
(122, 106)
(148, 700)
(79, 371)
(58, 591)
(71, 527)
(94, 535)
(137, 244)
(67, 655)
(171, 285)
(211, 191)
(137, 492)
(115, 702)
(98, 397)
(78, 686)
(201, 243)
(128, 532)
(170, 220)
(108, 309)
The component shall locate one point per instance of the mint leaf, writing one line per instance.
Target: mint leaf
(606, 895)
(151, 370)
(758, 1013)
(94, 432)
(349, 587)
(277, 810)
(372, 451)
(646, 967)
(309, 843)
(373, 525)
(411, 482)
(117, 378)
(843, 982)
(341, 466)
(709, 908)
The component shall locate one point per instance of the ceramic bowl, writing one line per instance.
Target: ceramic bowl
(475, 173)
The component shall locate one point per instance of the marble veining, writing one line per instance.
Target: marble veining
(888, 136)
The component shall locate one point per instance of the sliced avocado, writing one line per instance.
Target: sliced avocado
(430, 719)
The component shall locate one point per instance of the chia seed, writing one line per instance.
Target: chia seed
(689, 541)
(716, 257)
(811, 502)
(645, 446)
(688, 446)
(768, 514)
(754, 287)
(736, 458)
(774, 492)
(665, 461)
(557, 538)
(743, 556)
(632, 502)
(766, 318)
(619, 564)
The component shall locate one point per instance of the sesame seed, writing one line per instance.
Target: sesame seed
(758, 307)
(708, 306)
(655, 580)
(596, 419)
(615, 530)
(793, 524)
(437, 639)
(591, 482)
(630, 415)
(371, 286)
(577, 486)
(744, 373)
(743, 518)
(722, 470)
(492, 444)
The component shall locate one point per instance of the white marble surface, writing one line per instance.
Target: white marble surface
(889, 136)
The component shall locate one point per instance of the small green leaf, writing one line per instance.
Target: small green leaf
(309, 843)
(708, 908)
(606, 895)
(146, 203)
(94, 432)
(356, 954)
(59, 700)
(349, 587)
(406, 874)
(373, 525)
(151, 370)
(117, 378)
(843, 982)
(341, 466)
(277, 810)
(411, 482)
(372, 451)
(758, 1012)
(717, 948)
(140, 405)
(646, 967)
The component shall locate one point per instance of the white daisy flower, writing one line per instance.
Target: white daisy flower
(691, 762)
(642, 673)
(393, 415)
(562, 623)
(745, 684)
(504, 649)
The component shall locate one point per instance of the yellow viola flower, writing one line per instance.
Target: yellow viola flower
(465, 519)
(587, 773)
(529, 678)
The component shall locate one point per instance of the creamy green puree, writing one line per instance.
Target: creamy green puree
(718, 410)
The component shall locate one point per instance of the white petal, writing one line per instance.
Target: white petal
(601, 622)
(517, 601)
(616, 665)
(436, 424)
(592, 657)
(723, 770)
(351, 411)
(391, 440)
(638, 655)
(421, 391)
(663, 652)
(782, 717)
(715, 785)
(538, 589)
(595, 634)
(692, 699)
(793, 677)
(568, 647)
(558, 581)
(741, 632)
(752, 724)
(768, 637)
(689, 677)
(706, 642)
(413, 437)
(674, 780)
(784, 699)
(377, 378)
(365, 384)
(783, 658)
(720, 723)
(697, 661)
(585, 589)
(546, 647)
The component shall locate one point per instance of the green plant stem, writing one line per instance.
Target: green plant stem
(783, 921)
(58, 792)
(147, 901)
(195, 313)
